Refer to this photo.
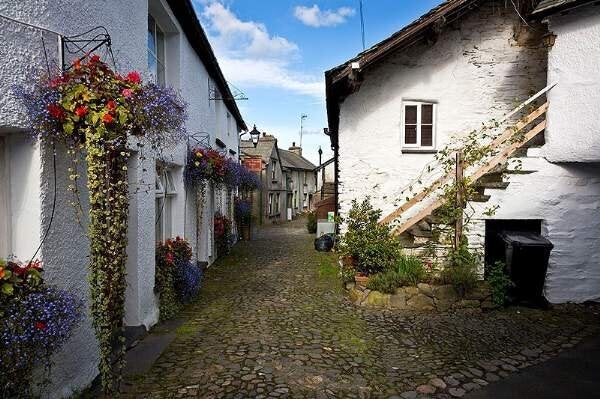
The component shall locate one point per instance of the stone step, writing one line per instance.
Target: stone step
(494, 185)
(480, 198)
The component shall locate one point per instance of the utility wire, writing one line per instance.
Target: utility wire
(362, 24)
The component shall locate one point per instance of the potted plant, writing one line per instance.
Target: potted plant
(243, 216)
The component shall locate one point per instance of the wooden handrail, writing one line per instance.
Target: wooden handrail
(496, 160)
(507, 134)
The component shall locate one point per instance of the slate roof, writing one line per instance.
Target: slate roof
(547, 7)
(264, 149)
(292, 160)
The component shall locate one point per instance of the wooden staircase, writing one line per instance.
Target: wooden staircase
(415, 220)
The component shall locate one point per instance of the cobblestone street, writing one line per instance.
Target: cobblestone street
(272, 320)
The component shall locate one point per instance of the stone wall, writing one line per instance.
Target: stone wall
(423, 298)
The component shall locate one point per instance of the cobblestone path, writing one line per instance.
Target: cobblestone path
(272, 320)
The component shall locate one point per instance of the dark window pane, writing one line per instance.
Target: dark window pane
(427, 113)
(426, 135)
(410, 114)
(410, 134)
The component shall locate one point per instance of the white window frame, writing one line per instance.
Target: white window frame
(271, 195)
(274, 170)
(165, 193)
(159, 55)
(418, 145)
(5, 233)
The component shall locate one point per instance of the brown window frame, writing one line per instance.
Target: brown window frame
(419, 124)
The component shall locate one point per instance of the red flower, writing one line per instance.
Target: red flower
(36, 264)
(107, 118)
(81, 111)
(54, 83)
(56, 111)
(170, 258)
(40, 325)
(20, 271)
(77, 63)
(111, 105)
(127, 93)
(134, 77)
(95, 58)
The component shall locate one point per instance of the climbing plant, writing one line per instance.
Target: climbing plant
(99, 114)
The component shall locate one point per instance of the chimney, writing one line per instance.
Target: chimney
(296, 150)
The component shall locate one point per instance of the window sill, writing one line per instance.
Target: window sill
(419, 151)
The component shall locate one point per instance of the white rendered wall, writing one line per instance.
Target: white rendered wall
(573, 132)
(474, 73)
(566, 197)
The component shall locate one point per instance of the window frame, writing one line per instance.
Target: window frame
(418, 145)
(271, 198)
(160, 48)
(165, 193)
(274, 170)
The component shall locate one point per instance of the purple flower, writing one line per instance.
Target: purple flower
(187, 279)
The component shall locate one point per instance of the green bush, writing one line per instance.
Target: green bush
(385, 282)
(461, 270)
(370, 243)
(410, 269)
(311, 222)
(499, 282)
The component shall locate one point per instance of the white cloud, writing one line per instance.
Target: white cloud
(250, 56)
(315, 17)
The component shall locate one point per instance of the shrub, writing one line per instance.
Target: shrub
(222, 227)
(410, 270)
(35, 321)
(169, 255)
(243, 211)
(385, 282)
(186, 281)
(461, 270)
(370, 243)
(499, 282)
(311, 222)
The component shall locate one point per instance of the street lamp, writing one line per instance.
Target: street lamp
(254, 135)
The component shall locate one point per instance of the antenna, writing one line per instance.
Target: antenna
(362, 24)
(302, 118)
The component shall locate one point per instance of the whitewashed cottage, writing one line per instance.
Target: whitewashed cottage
(165, 41)
(468, 62)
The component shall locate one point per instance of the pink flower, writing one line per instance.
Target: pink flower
(134, 77)
(127, 93)
(170, 258)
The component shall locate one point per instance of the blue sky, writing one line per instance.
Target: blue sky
(276, 52)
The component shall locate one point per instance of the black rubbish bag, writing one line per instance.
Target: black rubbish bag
(324, 243)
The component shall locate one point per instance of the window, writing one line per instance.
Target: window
(419, 125)
(156, 51)
(228, 124)
(165, 195)
(295, 199)
(270, 203)
(305, 200)
(277, 203)
(273, 171)
(4, 200)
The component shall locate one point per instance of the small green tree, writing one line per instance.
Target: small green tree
(369, 243)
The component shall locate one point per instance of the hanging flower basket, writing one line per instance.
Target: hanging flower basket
(94, 112)
(205, 165)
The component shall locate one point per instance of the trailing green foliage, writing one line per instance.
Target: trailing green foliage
(370, 243)
(461, 270)
(500, 283)
(311, 222)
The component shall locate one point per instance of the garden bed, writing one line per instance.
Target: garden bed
(423, 297)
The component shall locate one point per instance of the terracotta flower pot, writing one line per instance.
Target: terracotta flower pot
(361, 279)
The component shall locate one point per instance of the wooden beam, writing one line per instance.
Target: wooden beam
(501, 157)
(508, 133)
